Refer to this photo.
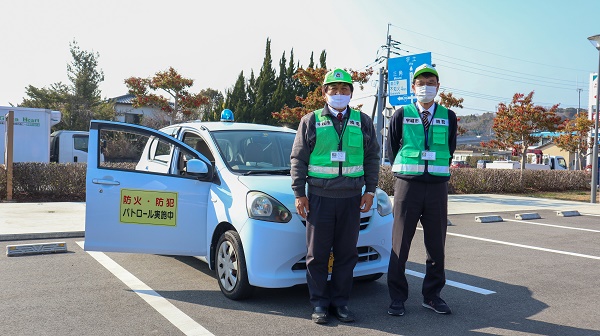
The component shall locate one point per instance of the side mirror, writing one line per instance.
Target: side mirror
(195, 166)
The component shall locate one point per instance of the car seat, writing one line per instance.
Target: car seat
(254, 153)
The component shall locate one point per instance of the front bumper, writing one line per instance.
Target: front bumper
(275, 252)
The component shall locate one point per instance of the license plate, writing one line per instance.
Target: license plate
(330, 266)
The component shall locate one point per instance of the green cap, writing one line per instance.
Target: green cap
(421, 69)
(337, 76)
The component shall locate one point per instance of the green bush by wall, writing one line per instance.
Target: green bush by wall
(65, 182)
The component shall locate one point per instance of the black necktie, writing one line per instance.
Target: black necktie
(425, 119)
(340, 116)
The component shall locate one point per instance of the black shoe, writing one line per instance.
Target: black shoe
(320, 315)
(396, 308)
(437, 305)
(343, 313)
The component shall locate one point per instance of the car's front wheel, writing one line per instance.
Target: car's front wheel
(231, 269)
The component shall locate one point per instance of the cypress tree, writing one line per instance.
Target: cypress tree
(266, 86)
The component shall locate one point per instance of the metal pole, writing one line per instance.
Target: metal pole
(595, 150)
(9, 122)
(577, 156)
(380, 105)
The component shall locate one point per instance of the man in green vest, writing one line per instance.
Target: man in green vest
(335, 154)
(421, 141)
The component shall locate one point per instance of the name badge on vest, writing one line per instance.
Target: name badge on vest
(338, 156)
(427, 155)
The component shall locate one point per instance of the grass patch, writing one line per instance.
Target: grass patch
(572, 195)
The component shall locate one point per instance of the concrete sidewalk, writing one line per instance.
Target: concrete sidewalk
(22, 221)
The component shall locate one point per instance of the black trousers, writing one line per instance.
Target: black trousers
(414, 202)
(332, 224)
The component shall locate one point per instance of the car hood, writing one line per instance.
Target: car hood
(278, 187)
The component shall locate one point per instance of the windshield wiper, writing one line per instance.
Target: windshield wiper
(267, 171)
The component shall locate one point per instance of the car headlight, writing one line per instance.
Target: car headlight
(384, 204)
(264, 207)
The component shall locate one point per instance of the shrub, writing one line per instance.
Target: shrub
(65, 182)
(497, 181)
(386, 179)
(46, 182)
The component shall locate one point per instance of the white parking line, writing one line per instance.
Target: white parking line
(527, 246)
(551, 225)
(178, 318)
(454, 284)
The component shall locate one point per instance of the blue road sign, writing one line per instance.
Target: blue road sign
(400, 72)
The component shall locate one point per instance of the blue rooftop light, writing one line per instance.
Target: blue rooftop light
(227, 115)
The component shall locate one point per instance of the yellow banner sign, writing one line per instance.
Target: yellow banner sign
(148, 207)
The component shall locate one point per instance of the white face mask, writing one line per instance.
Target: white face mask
(425, 94)
(338, 101)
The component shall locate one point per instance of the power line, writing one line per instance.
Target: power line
(487, 72)
(512, 80)
(487, 52)
(474, 94)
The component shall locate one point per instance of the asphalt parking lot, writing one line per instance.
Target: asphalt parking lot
(514, 277)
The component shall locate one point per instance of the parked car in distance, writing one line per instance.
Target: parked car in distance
(482, 163)
(459, 164)
(218, 191)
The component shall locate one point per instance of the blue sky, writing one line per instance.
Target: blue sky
(485, 51)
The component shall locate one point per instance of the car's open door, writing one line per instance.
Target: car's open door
(139, 197)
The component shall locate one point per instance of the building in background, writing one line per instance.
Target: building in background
(125, 112)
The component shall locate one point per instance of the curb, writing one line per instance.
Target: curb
(41, 235)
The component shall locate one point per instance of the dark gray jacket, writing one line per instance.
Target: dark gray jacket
(341, 186)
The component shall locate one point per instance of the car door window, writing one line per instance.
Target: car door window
(138, 151)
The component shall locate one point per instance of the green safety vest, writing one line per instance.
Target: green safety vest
(408, 160)
(320, 164)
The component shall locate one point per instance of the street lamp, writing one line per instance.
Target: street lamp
(595, 40)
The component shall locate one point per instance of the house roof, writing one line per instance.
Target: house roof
(124, 99)
(127, 99)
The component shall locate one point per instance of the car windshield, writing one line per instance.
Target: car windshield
(255, 152)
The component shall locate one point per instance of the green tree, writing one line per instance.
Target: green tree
(283, 87)
(212, 110)
(295, 88)
(55, 97)
(78, 102)
(265, 87)
(237, 100)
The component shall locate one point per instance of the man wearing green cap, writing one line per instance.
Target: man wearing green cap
(335, 154)
(421, 141)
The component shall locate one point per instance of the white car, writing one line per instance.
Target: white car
(219, 191)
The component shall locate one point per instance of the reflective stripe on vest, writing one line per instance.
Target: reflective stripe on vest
(320, 164)
(408, 160)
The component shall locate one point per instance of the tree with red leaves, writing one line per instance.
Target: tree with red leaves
(516, 123)
(314, 100)
(448, 101)
(575, 136)
(175, 85)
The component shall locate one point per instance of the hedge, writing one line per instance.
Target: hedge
(65, 182)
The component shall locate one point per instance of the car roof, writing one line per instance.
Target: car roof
(231, 126)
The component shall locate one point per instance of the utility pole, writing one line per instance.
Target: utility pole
(382, 93)
(381, 99)
(577, 156)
